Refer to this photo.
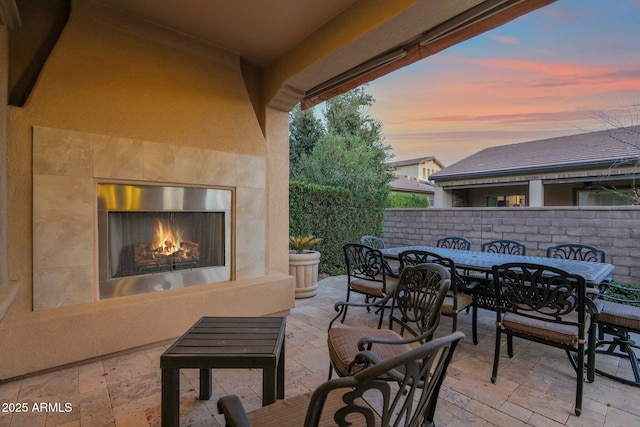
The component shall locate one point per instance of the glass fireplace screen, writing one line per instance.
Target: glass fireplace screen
(154, 242)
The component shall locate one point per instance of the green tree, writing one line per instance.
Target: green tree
(347, 162)
(347, 115)
(305, 129)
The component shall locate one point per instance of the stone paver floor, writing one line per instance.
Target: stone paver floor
(535, 388)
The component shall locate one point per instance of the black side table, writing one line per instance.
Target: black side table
(224, 342)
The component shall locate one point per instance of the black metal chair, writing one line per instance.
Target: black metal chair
(456, 300)
(415, 308)
(365, 398)
(576, 251)
(454, 242)
(548, 306)
(505, 247)
(482, 283)
(378, 243)
(373, 242)
(367, 274)
(619, 318)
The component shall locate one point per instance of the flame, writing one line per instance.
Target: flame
(166, 243)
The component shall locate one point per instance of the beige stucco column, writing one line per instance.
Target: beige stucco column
(536, 193)
(443, 198)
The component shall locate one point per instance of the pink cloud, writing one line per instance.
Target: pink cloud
(506, 39)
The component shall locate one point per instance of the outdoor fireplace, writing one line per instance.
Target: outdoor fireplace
(153, 238)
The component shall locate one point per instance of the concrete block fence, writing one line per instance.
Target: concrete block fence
(614, 229)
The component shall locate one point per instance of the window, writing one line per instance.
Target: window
(605, 197)
(515, 200)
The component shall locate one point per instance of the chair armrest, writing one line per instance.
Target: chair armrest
(340, 307)
(234, 413)
(365, 343)
(632, 293)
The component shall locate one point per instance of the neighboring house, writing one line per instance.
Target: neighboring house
(408, 185)
(590, 169)
(420, 168)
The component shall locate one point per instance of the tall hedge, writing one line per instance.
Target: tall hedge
(407, 201)
(336, 215)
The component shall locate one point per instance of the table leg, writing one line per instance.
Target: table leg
(268, 385)
(170, 412)
(205, 384)
(280, 381)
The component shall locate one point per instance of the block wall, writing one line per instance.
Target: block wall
(614, 229)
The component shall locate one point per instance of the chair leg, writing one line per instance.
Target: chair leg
(474, 323)
(510, 345)
(580, 380)
(591, 354)
(496, 357)
(626, 345)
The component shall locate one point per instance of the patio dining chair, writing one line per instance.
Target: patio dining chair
(454, 242)
(619, 317)
(415, 310)
(365, 398)
(577, 252)
(457, 300)
(549, 306)
(378, 243)
(482, 283)
(367, 274)
(505, 246)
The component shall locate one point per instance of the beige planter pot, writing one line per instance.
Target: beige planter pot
(304, 268)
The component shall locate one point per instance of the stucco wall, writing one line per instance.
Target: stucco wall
(123, 79)
(616, 230)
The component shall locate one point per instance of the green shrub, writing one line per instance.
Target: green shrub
(407, 201)
(335, 215)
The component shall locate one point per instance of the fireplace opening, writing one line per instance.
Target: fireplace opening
(154, 238)
(154, 242)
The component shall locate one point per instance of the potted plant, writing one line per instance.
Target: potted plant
(303, 264)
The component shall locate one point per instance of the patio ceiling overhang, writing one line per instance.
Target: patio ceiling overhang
(305, 51)
(476, 20)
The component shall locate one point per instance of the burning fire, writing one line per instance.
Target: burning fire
(166, 243)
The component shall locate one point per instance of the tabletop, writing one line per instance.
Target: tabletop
(594, 273)
(244, 338)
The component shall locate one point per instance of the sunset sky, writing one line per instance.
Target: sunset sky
(553, 72)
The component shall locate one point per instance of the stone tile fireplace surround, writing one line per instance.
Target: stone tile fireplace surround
(68, 165)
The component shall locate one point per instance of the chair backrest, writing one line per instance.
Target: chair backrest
(365, 262)
(576, 251)
(505, 247)
(418, 299)
(409, 401)
(415, 257)
(540, 292)
(372, 241)
(454, 242)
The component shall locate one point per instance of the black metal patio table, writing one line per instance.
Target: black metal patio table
(594, 273)
(224, 342)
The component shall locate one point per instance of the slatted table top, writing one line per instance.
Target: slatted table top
(227, 342)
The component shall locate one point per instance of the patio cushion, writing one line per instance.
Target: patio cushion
(618, 314)
(374, 288)
(464, 301)
(291, 412)
(343, 345)
(560, 333)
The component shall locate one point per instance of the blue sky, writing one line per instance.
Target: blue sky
(556, 71)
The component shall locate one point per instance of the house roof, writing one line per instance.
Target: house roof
(415, 161)
(595, 149)
(408, 184)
